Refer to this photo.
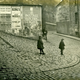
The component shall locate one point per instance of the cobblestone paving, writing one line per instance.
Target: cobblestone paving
(24, 61)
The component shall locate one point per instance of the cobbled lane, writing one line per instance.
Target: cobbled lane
(24, 58)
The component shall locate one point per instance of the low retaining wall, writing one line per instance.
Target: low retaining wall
(63, 27)
(5, 33)
(50, 26)
(66, 28)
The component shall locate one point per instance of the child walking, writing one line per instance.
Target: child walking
(40, 45)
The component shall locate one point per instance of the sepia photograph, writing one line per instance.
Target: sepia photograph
(39, 40)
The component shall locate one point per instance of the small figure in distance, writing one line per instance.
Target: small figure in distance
(40, 45)
(61, 46)
(45, 33)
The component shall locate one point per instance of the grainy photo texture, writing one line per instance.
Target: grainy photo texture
(39, 40)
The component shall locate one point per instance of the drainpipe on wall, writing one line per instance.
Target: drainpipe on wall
(78, 16)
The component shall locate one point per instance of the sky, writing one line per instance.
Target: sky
(58, 0)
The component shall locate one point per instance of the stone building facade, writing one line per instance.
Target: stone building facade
(49, 19)
(48, 12)
(67, 13)
(15, 19)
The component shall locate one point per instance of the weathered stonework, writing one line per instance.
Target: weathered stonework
(48, 8)
(66, 12)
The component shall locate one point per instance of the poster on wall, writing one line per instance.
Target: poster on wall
(16, 19)
(5, 18)
(25, 20)
(30, 51)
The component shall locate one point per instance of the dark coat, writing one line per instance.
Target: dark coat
(40, 44)
(61, 45)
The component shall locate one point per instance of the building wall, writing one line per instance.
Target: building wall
(72, 17)
(5, 18)
(16, 18)
(66, 13)
(50, 26)
(63, 27)
(26, 20)
(49, 13)
(79, 20)
(62, 12)
(32, 19)
(75, 16)
(63, 17)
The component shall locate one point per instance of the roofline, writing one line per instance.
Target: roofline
(59, 3)
(20, 5)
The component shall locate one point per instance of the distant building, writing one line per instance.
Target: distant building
(67, 13)
(49, 20)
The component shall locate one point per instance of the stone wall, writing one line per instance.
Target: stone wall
(66, 13)
(72, 19)
(63, 17)
(72, 16)
(48, 8)
(48, 16)
(62, 12)
(79, 20)
(63, 27)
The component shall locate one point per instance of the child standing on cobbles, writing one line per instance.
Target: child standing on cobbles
(40, 45)
(61, 46)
